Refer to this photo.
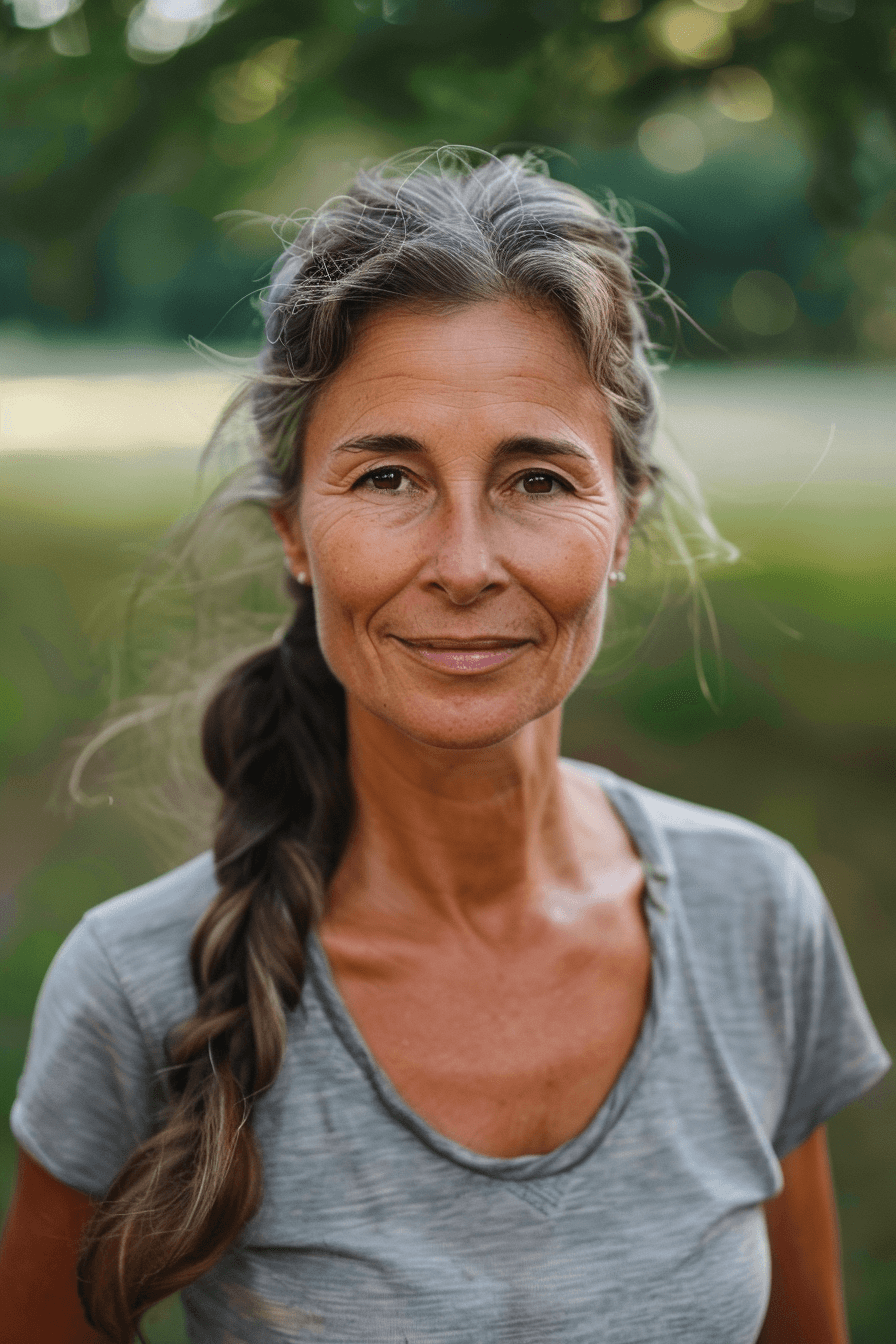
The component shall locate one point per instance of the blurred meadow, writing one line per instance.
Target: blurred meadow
(756, 137)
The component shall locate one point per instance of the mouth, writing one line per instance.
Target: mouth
(464, 655)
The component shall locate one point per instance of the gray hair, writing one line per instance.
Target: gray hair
(450, 231)
(443, 227)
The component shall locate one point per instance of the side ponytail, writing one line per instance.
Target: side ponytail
(274, 741)
(444, 226)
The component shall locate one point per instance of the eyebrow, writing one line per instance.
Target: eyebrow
(522, 445)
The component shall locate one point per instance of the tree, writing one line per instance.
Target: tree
(197, 101)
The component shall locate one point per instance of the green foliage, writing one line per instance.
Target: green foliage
(664, 700)
(48, 677)
(803, 741)
(874, 1305)
(126, 133)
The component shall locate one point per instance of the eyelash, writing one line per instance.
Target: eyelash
(367, 480)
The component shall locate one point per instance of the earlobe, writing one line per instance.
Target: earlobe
(620, 554)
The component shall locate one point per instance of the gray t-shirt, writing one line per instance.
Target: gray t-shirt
(646, 1228)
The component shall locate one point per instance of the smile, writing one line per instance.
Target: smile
(465, 656)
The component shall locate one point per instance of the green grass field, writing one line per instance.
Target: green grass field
(802, 739)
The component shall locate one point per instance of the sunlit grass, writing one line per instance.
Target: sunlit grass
(801, 737)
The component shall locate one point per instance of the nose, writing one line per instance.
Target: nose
(463, 563)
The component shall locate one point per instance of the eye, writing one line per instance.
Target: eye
(539, 483)
(387, 480)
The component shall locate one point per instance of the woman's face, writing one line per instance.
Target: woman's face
(458, 519)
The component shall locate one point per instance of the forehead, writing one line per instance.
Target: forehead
(498, 367)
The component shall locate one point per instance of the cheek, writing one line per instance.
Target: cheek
(356, 569)
(366, 566)
(564, 564)
(567, 571)
(580, 629)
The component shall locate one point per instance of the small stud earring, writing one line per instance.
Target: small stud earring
(298, 574)
(617, 576)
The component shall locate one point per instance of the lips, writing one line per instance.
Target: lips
(464, 655)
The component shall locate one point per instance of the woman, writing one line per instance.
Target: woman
(465, 1042)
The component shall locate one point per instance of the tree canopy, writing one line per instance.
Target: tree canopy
(757, 136)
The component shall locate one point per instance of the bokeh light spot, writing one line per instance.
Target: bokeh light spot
(692, 35)
(41, 13)
(672, 143)
(741, 93)
(599, 70)
(158, 28)
(879, 329)
(251, 89)
(763, 303)
(69, 37)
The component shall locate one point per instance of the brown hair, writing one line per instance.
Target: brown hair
(450, 229)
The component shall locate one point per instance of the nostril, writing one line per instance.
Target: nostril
(463, 592)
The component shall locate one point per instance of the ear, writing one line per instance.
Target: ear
(623, 540)
(620, 553)
(291, 537)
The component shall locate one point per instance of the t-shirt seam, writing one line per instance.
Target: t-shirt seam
(401, 1112)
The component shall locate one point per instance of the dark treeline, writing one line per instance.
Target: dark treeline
(756, 136)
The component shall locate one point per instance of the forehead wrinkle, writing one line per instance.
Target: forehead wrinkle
(480, 373)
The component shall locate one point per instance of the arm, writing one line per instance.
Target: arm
(37, 1261)
(806, 1303)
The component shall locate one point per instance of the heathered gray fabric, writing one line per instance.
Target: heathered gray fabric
(647, 1228)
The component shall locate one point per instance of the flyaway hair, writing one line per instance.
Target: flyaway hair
(443, 228)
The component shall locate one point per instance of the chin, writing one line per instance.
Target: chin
(462, 740)
(462, 726)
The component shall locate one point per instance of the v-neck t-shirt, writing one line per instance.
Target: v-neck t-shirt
(645, 1228)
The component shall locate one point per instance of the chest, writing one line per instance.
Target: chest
(368, 1236)
(507, 1054)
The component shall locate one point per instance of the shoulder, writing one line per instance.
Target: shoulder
(716, 860)
(165, 909)
(92, 1085)
(701, 833)
(684, 823)
(139, 943)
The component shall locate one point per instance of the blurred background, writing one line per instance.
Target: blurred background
(755, 138)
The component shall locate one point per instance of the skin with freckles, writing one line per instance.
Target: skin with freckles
(459, 518)
(458, 487)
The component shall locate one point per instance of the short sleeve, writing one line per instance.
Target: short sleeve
(837, 1053)
(84, 1099)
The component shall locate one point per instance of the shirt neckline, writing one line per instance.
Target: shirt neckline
(658, 884)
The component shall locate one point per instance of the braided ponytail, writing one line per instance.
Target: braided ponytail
(274, 742)
(447, 229)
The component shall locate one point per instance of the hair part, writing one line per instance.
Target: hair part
(444, 231)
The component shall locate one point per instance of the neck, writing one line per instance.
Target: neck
(474, 837)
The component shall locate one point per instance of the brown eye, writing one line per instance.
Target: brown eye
(387, 478)
(538, 483)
